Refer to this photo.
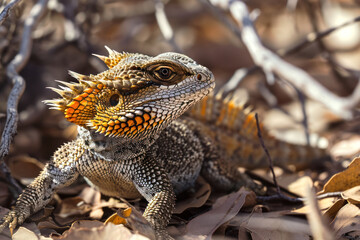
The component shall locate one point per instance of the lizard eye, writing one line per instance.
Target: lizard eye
(114, 100)
(164, 73)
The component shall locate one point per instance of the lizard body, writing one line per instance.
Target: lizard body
(132, 143)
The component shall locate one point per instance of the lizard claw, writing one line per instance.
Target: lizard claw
(11, 220)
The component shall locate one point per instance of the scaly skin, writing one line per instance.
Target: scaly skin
(131, 142)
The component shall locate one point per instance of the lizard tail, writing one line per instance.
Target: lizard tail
(232, 125)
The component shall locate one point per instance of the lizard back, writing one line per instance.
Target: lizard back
(232, 125)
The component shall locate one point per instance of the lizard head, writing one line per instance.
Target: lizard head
(137, 96)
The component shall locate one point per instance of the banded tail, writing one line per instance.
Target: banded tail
(232, 125)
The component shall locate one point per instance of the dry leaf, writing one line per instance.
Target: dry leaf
(115, 219)
(86, 224)
(347, 220)
(273, 226)
(324, 204)
(298, 186)
(344, 180)
(113, 203)
(346, 148)
(90, 195)
(125, 213)
(352, 195)
(197, 200)
(25, 168)
(224, 209)
(25, 233)
(95, 230)
(93, 197)
(73, 206)
(334, 209)
(137, 222)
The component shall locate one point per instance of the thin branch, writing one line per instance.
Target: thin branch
(271, 166)
(271, 63)
(239, 75)
(305, 121)
(17, 81)
(164, 25)
(314, 37)
(5, 12)
(302, 101)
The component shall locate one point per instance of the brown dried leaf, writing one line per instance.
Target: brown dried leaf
(298, 186)
(291, 182)
(115, 219)
(90, 195)
(347, 220)
(346, 148)
(334, 209)
(224, 209)
(94, 230)
(352, 195)
(113, 203)
(86, 224)
(25, 168)
(266, 234)
(344, 180)
(324, 204)
(200, 196)
(137, 222)
(25, 233)
(73, 206)
(93, 197)
(273, 226)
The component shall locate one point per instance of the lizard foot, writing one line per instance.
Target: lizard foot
(11, 220)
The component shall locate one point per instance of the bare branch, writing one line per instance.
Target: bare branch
(271, 63)
(271, 166)
(17, 81)
(164, 25)
(239, 75)
(314, 37)
(5, 12)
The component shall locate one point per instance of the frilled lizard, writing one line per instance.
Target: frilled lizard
(132, 143)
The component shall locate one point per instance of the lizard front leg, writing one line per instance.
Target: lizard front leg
(153, 183)
(60, 172)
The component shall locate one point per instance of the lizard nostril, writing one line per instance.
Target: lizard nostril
(199, 77)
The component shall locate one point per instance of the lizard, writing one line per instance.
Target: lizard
(134, 139)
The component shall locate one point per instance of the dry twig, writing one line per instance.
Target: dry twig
(5, 12)
(273, 64)
(280, 195)
(314, 37)
(164, 25)
(18, 83)
(239, 75)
